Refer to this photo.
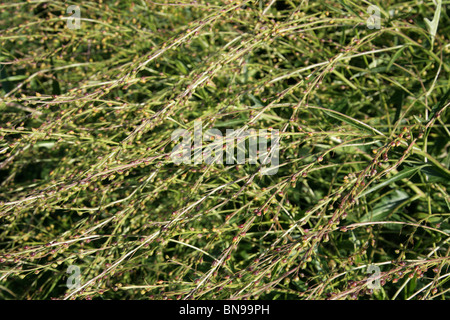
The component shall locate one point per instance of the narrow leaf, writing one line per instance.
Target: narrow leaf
(406, 173)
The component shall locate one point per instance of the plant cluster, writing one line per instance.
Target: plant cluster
(86, 177)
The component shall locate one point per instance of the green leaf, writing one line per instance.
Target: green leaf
(406, 173)
(385, 207)
(348, 8)
(434, 175)
(182, 67)
(16, 78)
(395, 57)
(258, 103)
(353, 122)
(433, 25)
(439, 105)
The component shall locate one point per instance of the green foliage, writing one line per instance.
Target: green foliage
(86, 178)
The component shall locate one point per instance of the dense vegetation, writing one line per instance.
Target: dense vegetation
(87, 179)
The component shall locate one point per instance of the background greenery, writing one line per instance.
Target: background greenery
(86, 179)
